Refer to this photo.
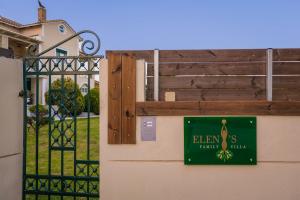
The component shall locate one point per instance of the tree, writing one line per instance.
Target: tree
(68, 98)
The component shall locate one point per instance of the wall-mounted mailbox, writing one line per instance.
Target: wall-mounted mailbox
(148, 128)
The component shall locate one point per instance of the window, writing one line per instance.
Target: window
(61, 28)
(60, 52)
(84, 89)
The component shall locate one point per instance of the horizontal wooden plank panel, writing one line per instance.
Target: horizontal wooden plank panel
(286, 82)
(229, 55)
(216, 94)
(209, 88)
(173, 69)
(286, 94)
(172, 82)
(283, 108)
(286, 54)
(286, 68)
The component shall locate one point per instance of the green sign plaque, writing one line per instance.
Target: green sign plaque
(220, 140)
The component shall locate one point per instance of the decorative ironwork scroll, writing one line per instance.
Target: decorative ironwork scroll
(89, 44)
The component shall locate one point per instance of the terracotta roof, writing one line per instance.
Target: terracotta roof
(18, 25)
(19, 36)
(10, 22)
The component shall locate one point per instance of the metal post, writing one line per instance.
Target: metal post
(145, 80)
(156, 75)
(269, 74)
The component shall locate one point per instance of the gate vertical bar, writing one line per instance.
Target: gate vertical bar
(49, 128)
(75, 127)
(62, 128)
(88, 125)
(37, 124)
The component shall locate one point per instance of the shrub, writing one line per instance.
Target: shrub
(71, 92)
(43, 114)
(94, 101)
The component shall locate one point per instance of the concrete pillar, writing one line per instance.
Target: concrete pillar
(11, 123)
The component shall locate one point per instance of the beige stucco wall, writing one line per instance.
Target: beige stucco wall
(50, 36)
(155, 170)
(32, 31)
(11, 123)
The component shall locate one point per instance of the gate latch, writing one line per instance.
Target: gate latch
(21, 93)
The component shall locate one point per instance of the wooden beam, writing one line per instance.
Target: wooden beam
(281, 108)
(248, 94)
(147, 55)
(114, 98)
(128, 99)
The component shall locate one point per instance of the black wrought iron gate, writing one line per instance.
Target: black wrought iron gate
(61, 150)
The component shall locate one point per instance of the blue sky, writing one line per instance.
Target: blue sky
(165, 24)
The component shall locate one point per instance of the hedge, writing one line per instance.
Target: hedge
(43, 114)
(94, 101)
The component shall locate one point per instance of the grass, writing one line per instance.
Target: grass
(68, 163)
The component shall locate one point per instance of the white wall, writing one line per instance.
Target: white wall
(155, 170)
(11, 123)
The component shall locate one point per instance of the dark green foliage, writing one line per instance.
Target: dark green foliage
(43, 114)
(94, 101)
(64, 97)
(42, 109)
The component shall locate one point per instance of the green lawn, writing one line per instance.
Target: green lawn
(43, 151)
(68, 155)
